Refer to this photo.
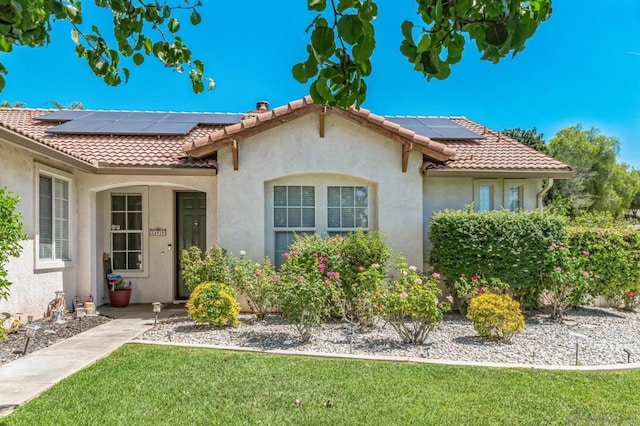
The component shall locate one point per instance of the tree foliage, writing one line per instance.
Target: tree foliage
(530, 138)
(11, 234)
(599, 183)
(343, 40)
(139, 30)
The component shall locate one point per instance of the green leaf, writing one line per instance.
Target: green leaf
(299, 73)
(349, 28)
(497, 34)
(5, 44)
(75, 36)
(1, 83)
(322, 40)
(195, 17)
(407, 31)
(173, 25)
(138, 58)
(364, 49)
(318, 5)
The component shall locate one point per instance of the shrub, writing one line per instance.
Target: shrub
(256, 282)
(198, 267)
(410, 304)
(363, 259)
(466, 288)
(496, 316)
(614, 254)
(310, 288)
(214, 303)
(510, 246)
(11, 235)
(568, 283)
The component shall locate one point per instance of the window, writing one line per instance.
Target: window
(347, 208)
(294, 212)
(126, 231)
(53, 218)
(514, 194)
(485, 198)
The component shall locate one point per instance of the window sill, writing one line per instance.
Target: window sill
(131, 274)
(48, 265)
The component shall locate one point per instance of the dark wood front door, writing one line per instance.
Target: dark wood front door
(191, 218)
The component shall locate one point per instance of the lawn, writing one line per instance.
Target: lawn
(156, 385)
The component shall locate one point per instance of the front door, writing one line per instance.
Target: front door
(191, 225)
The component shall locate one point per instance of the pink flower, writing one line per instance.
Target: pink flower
(480, 290)
(403, 294)
(436, 275)
(597, 277)
(375, 265)
(299, 277)
(286, 255)
(631, 293)
(379, 305)
(321, 267)
(585, 253)
(361, 268)
(418, 281)
(276, 277)
(558, 269)
(450, 298)
(413, 268)
(334, 275)
(585, 275)
(474, 278)
(553, 246)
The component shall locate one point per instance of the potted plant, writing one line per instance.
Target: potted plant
(119, 291)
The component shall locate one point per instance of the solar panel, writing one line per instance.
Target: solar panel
(435, 127)
(62, 115)
(165, 128)
(79, 127)
(133, 122)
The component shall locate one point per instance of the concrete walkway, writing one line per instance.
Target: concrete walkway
(27, 377)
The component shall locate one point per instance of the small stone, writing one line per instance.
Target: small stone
(288, 342)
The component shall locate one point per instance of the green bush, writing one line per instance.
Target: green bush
(198, 267)
(11, 235)
(309, 292)
(496, 316)
(257, 282)
(466, 288)
(410, 304)
(362, 258)
(614, 255)
(214, 303)
(509, 246)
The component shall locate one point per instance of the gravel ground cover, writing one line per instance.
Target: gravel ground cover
(606, 332)
(48, 334)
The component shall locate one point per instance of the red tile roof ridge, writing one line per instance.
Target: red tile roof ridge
(49, 110)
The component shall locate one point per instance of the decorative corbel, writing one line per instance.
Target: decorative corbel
(234, 153)
(323, 113)
(406, 149)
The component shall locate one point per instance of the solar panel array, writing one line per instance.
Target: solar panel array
(132, 123)
(435, 127)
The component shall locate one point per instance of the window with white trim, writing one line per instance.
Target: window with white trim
(514, 200)
(126, 231)
(294, 212)
(53, 218)
(484, 202)
(347, 209)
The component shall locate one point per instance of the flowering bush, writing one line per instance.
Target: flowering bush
(496, 316)
(410, 304)
(631, 300)
(214, 303)
(363, 259)
(310, 285)
(568, 284)
(198, 267)
(256, 282)
(466, 288)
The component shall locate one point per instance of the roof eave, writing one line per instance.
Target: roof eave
(501, 173)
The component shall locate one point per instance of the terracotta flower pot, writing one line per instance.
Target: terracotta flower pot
(120, 298)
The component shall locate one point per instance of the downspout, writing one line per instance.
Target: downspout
(542, 193)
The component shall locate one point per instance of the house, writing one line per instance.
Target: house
(138, 187)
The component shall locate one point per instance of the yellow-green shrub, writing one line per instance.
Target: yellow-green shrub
(214, 303)
(496, 316)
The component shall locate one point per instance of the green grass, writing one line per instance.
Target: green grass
(155, 385)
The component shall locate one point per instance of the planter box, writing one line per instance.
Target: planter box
(120, 298)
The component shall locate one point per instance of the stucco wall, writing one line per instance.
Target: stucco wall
(294, 153)
(31, 289)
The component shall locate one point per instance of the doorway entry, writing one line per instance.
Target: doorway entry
(191, 230)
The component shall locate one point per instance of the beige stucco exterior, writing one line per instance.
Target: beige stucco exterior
(239, 204)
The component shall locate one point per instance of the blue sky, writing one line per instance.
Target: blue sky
(581, 67)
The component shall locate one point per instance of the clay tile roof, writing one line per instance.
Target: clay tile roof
(117, 151)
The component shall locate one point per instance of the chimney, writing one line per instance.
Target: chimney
(262, 106)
